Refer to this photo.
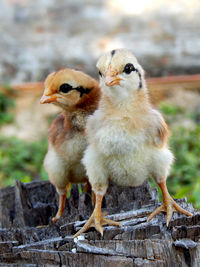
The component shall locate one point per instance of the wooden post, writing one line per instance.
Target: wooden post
(27, 235)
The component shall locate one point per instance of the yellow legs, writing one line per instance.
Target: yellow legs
(168, 206)
(87, 188)
(97, 220)
(62, 200)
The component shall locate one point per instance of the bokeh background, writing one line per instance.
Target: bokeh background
(41, 36)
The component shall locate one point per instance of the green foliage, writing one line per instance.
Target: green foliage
(21, 160)
(169, 109)
(196, 115)
(185, 176)
(5, 104)
(171, 112)
(18, 159)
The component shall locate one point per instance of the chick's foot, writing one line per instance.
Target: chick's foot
(97, 220)
(168, 206)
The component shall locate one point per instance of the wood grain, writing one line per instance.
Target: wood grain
(27, 235)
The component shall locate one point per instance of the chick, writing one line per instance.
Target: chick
(127, 137)
(78, 96)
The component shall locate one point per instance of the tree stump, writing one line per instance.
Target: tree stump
(29, 238)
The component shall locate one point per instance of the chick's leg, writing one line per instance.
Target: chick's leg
(62, 200)
(97, 220)
(168, 206)
(87, 188)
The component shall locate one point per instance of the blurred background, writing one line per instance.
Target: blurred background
(41, 36)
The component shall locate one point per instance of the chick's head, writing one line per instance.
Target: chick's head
(120, 74)
(67, 88)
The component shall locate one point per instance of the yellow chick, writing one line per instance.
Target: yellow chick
(128, 138)
(78, 95)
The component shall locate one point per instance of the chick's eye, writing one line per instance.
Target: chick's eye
(65, 88)
(129, 68)
(100, 74)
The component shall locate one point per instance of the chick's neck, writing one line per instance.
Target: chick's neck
(138, 103)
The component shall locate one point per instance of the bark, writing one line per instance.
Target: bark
(29, 238)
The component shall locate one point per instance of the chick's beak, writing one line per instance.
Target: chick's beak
(111, 77)
(48, 99)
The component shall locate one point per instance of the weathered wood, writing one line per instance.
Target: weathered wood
(29, 238)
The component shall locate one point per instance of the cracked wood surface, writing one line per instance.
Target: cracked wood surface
(29, 238)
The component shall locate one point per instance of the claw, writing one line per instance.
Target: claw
(181, 210)
(97, 220)
(169, 214)
(155, 212)
(172, 206)
(97, 223)
(168, 206)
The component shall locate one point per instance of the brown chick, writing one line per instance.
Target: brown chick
(128, 138)
(78, 96)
